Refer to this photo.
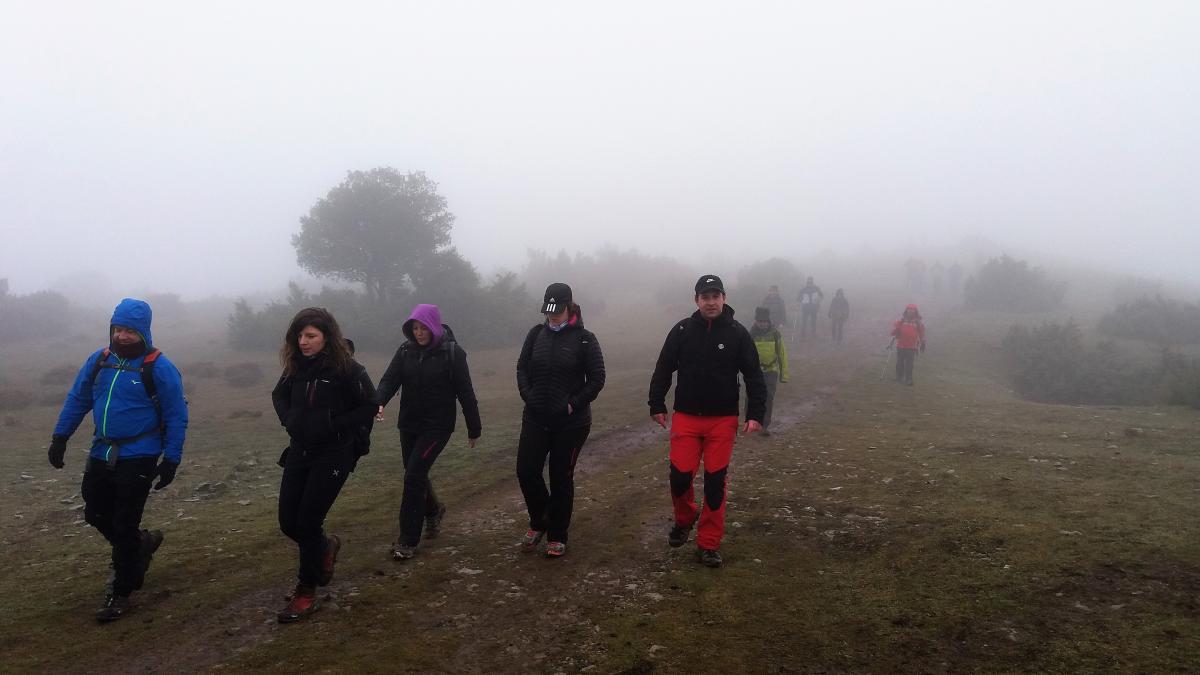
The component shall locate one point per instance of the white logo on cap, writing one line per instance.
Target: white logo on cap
(708, 280)
(721, 346)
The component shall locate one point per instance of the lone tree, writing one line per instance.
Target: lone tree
(375, 228)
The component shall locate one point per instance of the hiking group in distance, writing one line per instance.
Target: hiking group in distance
(327, 404)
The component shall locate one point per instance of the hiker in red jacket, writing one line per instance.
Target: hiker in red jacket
(909, 334)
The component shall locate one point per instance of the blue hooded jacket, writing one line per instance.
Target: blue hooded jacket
(118, 401)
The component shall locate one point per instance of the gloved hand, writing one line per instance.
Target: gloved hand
(58, 449)
(166, 473)
(922, 346)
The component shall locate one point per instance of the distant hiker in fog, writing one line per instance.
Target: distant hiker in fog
(909, 333)
(772, 358)
(430, 371)
(810, 304)
(322, 398)
(778, 307)
(708, 350)
(936, 273)
(135, 395)
(914, 271)
(839, 312)
(559, 373)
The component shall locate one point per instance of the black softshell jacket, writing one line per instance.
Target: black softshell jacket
(428, 390)
(708, 355)
(320, 408)
(557, 368)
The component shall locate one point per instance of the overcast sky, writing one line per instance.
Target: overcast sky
(176, 145)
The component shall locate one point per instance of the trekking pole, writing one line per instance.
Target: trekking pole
(887, 359)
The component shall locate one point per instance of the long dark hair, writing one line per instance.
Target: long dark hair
(336, 350)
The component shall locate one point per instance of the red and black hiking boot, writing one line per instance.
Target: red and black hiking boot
(302, 603)
(532, 538)
(433, 523)
(114, 607)
(332, 545)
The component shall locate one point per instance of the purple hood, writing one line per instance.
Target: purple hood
(431, 317)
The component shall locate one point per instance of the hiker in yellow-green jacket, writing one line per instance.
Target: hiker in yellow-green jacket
(772, 356)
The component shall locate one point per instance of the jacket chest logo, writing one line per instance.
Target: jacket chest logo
(721, 345)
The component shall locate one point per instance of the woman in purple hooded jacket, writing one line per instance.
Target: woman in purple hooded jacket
(430, 372)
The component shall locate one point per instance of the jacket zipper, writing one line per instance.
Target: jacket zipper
(104, 422)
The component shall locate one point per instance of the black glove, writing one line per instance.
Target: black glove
(166, 473)
(58, 449)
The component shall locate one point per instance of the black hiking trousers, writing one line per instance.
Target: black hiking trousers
(114, 500)
(905, 358)
(838, 324)
(549, 509)
(420, 451)
(306, 494)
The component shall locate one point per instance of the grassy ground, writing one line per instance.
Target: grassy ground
(944, 527)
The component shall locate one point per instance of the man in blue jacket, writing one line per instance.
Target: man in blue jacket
(136, 399)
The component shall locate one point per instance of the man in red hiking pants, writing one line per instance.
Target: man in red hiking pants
(708, 350)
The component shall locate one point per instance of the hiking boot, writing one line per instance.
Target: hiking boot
(332, 545)
(555, 549)
(709, 557)
(151, 540)
(403, 551)
(114, 607)
(302, 603)
(433, 524)
(678, 535)
(531, 540)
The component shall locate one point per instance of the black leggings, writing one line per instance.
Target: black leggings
(113, 503)
(549, 510)
(420, 451)
(306, 494)
(905, 358)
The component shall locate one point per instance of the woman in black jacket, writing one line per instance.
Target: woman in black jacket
(430, 371)
(322, 398)
(559, 373)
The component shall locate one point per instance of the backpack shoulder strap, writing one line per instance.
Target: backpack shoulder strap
(149, 384)
(99, 364)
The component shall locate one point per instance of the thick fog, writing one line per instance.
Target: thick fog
(176, 146)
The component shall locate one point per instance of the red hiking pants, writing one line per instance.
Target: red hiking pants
(694, 438)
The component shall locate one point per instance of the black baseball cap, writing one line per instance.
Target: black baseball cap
(710, 282)
(557, 298)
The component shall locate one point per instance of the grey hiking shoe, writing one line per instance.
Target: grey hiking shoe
(532, 538)
(403, 551)
(709, 557)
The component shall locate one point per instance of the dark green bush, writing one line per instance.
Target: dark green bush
(1163, 322)
(1009, 285)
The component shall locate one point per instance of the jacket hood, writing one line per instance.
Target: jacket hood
(913, 307)
(431, 317)
(135, 314)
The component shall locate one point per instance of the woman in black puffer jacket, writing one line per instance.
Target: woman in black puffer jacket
(323, 397)
(430, 371)
(559, 373)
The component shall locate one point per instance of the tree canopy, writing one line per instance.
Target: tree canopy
(376, 228)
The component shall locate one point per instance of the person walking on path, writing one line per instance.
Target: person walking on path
(708, 350)
(810, 303)
(322, 399)
(135, 395)
(909, 332)
(559, 373)
(772, 357)
(775, 303)
(430, 372)
(839, 312)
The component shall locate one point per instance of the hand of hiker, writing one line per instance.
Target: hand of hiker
(751, 427)
(472, 441)
(379, 414)
(570, 409)
(58, 450)
(166, 473)
(661, 418)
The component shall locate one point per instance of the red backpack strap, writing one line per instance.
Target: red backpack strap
(150, 357)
